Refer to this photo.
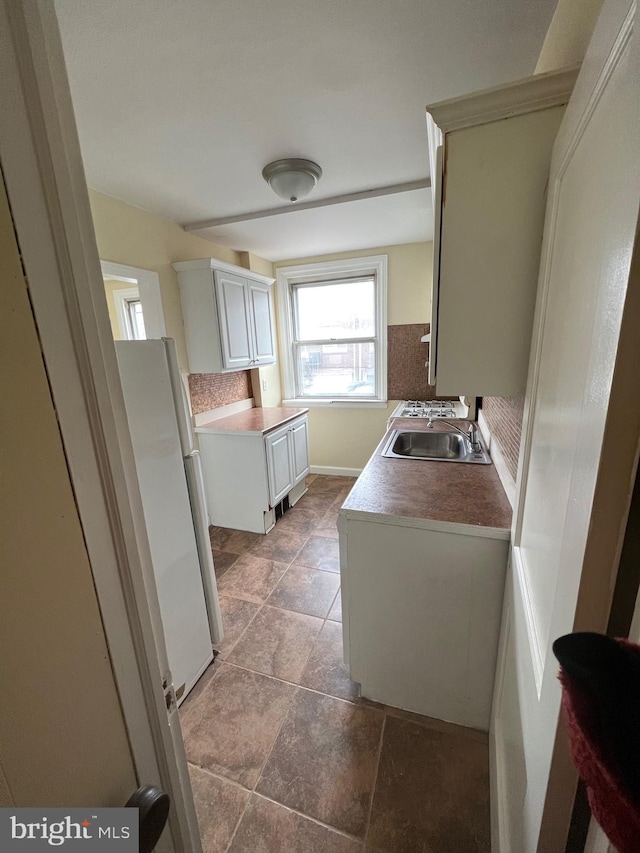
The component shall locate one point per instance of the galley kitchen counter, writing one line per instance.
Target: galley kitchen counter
(433, 495)
(253, 421)
(423, 557)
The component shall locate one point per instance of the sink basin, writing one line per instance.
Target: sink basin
(440, 446)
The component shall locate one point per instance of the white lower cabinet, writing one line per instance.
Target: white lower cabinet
(278, 446)
(246, 475)
(287, 458)
(421, 616)
(299, 444)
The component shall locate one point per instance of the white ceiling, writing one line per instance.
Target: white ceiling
(180, 104)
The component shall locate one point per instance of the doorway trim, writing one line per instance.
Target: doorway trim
(42, 166)
(148, 284)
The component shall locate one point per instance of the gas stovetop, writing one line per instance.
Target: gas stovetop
(431, 409)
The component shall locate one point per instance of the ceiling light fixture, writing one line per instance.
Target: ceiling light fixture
(292, 179)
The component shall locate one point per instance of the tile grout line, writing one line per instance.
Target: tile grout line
(237, 826)
(296, 687)
(312, 819)
(284, 719)
(375, 778)
(244, 631)
(353, 702)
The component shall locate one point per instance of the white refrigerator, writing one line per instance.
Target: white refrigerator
(173, 499)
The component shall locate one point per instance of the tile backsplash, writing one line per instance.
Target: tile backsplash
(210, 390)
(407, 377)
(504, 419)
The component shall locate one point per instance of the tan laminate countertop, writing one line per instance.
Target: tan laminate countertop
(253, 421)
(442, 492)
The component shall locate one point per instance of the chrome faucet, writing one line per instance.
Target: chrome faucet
(471, 434)
(473, 438)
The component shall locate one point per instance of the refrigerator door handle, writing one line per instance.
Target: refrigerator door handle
(195, 483)
(180, 399)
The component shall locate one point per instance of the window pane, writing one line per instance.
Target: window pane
(136, 319)
(343, 370)
(345, 310)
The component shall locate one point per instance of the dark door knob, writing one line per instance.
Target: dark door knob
(153, 809)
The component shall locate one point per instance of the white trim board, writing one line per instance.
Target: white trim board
(215, 264)
(537, 92)
(536, 650)
(203, 225)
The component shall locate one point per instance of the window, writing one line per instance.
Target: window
(333, 319)
(135, 320)
(129, 315)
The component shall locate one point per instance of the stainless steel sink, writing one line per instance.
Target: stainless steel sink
(437, 446)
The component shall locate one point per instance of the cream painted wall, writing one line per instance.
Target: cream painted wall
(346, 437)
(129, 235)
(409, 274)
(63, 740)
(569, 34)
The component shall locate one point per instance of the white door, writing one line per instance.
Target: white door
(233, 317)
(261, 317)
(278, 464)
(570, 510)
(299, 437)
(59, 747)
(42, 167)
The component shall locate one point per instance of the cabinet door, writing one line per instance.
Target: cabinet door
(299, 450)
(233, 318)
(261, 318)
(279, 464)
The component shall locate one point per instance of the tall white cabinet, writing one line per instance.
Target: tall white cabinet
(228, 316)
(490, 154)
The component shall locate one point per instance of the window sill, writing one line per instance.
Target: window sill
(341, 403)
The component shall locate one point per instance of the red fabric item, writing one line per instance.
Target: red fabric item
(611, 805)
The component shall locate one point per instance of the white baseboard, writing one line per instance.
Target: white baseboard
(335, 472)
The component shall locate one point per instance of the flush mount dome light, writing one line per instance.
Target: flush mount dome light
(292, 179)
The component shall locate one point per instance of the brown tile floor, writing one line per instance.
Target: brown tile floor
(284, 756)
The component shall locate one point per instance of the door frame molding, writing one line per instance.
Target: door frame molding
(43, 171)
(618, 455)
(590, 88)
(148, 284)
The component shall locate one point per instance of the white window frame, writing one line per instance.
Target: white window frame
(121, 298)
(373, 265)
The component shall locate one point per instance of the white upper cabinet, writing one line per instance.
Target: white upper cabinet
(260, 311)
(490, 154)
(233, 320)
(228, 316)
